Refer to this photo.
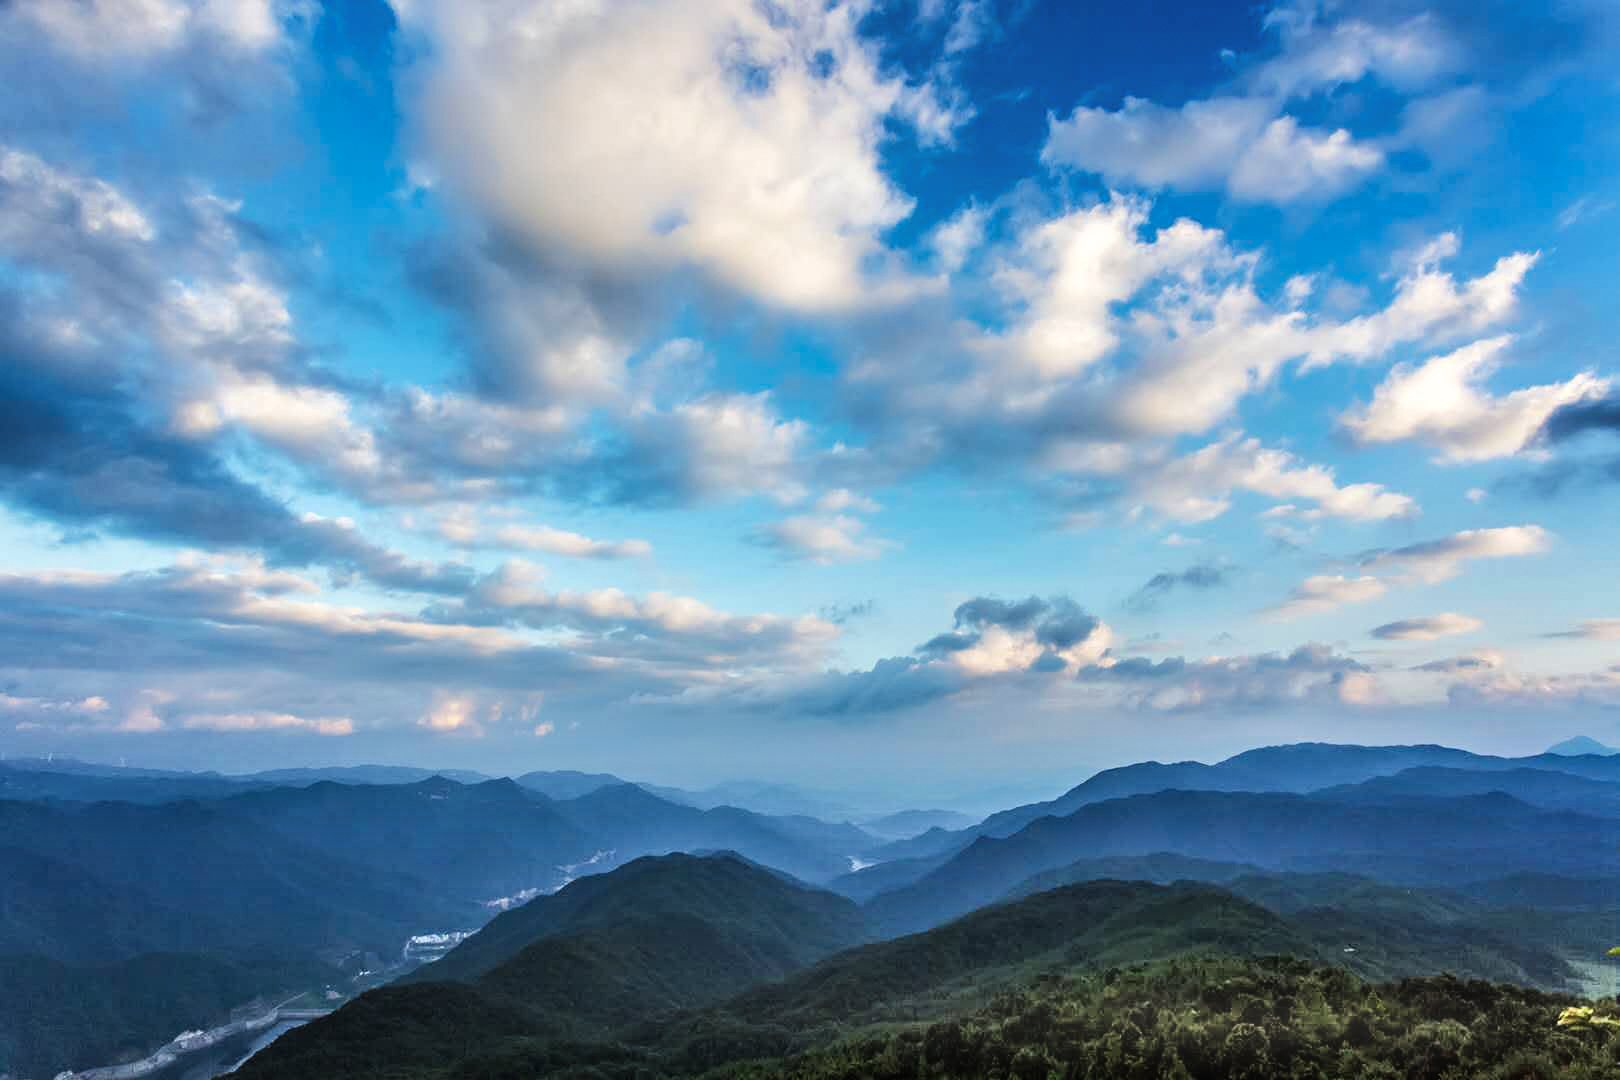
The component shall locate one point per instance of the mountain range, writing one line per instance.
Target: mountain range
(1419, 859)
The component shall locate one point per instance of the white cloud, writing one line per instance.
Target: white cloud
(1439, 560)
(1442, 402)
(1427, 627)
(1237, 144)
(88, 706)
(1197, 486)
(839, 500)
(106, 30)
(746, 141)
(1243, 141)
(452, 714)
(1325, 592)
(462, 528)
(823, 538)
(268, 721)
(955, 239)
(663, 620)
(1318, 54)
(1593, 630)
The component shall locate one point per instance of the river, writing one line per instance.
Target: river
(226, 1056)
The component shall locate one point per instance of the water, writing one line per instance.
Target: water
(224, 1057)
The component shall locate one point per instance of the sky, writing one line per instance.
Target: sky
(938, 396)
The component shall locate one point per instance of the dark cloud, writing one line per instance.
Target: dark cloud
(1160, 585)
(984, 611)
(1458, 665)
(898, 682)
(84, 457)
(1310, 673)
(840, 614)
(1058, 623)
(1583, 416)
(1567, 425)
(1065, 624)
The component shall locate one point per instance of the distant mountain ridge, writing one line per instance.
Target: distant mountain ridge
(1581, 745)
(1436, 840)
(1298, 768)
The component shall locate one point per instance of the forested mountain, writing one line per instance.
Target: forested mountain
(1425, 859)
(642, 942)
(1121, 979)
(473, 842)
(786, 923)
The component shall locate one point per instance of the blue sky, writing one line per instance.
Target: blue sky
(970, 392)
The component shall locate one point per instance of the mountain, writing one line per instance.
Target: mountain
(1297, 768)
(1300, 767)
(360, 774)
(64, 913)
(909, 823)
(784, 800)
(869, 881)
(1538, 787)
(135, 786)
(776, 916)
(633, 821)
(54, 1016)
(473, 842)
(1579, 746)
(75, 781)
(123, 924)
(1389, 930)
(534, 1006)
(566, 783)
(1214, 1016)
(638, 943)
(191, 874)
(1432, 841)
(1106, 978)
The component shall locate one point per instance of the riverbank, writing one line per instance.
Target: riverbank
(178, 1055)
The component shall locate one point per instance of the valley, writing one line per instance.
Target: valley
(574, 919)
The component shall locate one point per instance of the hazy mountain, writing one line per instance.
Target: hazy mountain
(870, 881)
(1581, 745)
(909, 823)
(1439, 841)
(73, 781)
(567, 783)
(762, 798)
(1539, 787)
(1297, 768)
(633, 821)
(361, 774)
(132, 785)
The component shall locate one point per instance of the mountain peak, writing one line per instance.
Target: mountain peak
(1581, 745)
